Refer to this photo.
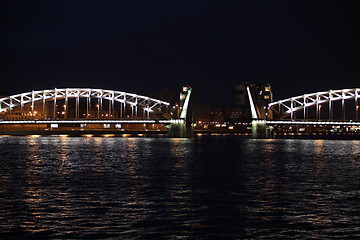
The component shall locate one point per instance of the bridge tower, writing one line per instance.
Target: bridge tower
(258, 101)
(183, 126)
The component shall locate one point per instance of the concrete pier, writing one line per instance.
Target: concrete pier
(260, 130)
(178, 129)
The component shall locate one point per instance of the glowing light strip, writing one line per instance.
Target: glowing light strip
(89, 121)
(338, 93)
(186, 104)
(57, 93)
(312, 123)
(252, 105)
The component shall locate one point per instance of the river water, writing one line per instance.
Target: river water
(207, 187)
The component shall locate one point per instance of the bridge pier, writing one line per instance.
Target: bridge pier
(178, 129)
(183, 127)
(260, 130)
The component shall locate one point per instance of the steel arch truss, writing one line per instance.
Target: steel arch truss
(148, 104)
(286, 107)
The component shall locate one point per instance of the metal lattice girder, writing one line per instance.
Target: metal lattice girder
(21, 99)
(298, 103)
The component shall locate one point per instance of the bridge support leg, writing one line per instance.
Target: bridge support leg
(260, 130)
(178, 129)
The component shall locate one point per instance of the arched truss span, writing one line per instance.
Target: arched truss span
(286, 107)
(148, 104)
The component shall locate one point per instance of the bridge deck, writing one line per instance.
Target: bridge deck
(92, 121)
(271, 122)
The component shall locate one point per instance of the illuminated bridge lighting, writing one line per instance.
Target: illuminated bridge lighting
(311, 123)
(112, 96)
(131, 121)
(288, 107)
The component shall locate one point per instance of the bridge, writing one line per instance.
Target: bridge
(326, 108)
(87, 109)
(96, 109)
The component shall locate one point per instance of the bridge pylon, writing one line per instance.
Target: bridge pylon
(260, 130)
(183, 126)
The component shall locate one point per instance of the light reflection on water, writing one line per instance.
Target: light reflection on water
(217, 187)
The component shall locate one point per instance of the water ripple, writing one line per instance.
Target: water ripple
(208, 187)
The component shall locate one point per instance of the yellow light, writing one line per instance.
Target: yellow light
(34, 136)
(108, 135)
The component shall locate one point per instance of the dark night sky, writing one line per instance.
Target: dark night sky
(145, 46)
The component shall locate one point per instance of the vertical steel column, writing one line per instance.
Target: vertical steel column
(55, 104)
(279, 108)
(87, 105)
(32, 103)
(305, 108)
(21, 102)
(10, 107)
(109, 102)
(113, 105)
(343, 105)
(121, 110)
(101, 105)
(44, 103)
(124, 109)
(330, 106)
(98, 107)
(77, 107)
(66, 104)
(356, 105)
(148, 108)
(292, 109)
(317, 107)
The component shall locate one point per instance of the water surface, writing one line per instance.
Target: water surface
(207, 187)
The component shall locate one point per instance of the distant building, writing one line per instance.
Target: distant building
(240, 106)
(217, 114)
(239, 112)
